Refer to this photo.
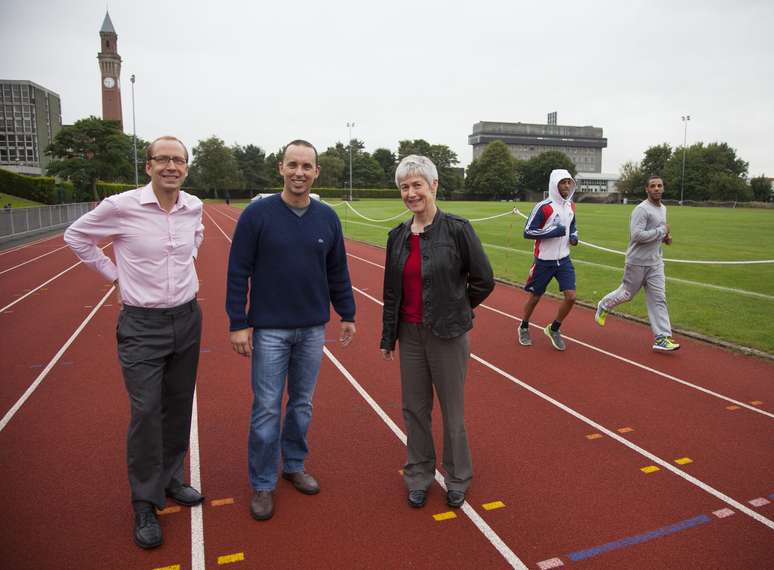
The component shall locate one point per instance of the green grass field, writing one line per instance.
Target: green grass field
(16, 202)
(731, 302)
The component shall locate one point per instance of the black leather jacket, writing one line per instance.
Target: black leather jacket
(456, 276)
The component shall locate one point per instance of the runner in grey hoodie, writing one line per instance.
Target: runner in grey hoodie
(644, 268)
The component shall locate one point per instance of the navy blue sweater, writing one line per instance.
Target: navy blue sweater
(296, 267)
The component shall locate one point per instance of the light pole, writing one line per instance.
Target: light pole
(350, 125)
(685, 119)
(134, 136)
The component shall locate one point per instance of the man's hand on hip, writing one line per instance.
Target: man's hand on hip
(242, 341)
(347, 333)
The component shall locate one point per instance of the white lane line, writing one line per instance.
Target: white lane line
(616, 356)
(20, 402)
(217, 226)
(57, 276)
(613, 435)
(31, 260)
(198, 562)
(636, 448)
(475, 518)
(30, 244)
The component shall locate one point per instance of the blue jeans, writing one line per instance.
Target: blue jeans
(294, 354)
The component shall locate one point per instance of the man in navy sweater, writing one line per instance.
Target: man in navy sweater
(289, 250)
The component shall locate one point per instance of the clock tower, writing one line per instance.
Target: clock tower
(110, 68)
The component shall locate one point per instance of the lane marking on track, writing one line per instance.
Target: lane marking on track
(222, 502)
(550, 563)
(173, 567)
(625, 430)
(759, 502)
(594, 436)
(448, 515)
(482, 526)
(197, 518)
(30, 244)
(231, 558)
(723, 513)
(31, 260)
(32, 387)
(57, 276)
(610, 354)
(649, 469)
(638, 539)
(636, 448)
(600, 428)
(493, 505)
(683, 460)
(169, 511)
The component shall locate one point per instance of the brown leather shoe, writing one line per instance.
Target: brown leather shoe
(303, 482)
(262, 505)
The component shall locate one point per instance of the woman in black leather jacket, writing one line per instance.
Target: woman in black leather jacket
(436, 272)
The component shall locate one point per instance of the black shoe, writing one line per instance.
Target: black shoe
(455, 498)
(185, 495)
(417, 498)
(262, 505)
(147, 531)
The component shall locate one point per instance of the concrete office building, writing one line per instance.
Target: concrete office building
(583, 145)
(30, 118)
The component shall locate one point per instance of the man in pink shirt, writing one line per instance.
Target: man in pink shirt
(156, 232)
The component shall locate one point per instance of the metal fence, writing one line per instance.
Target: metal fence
(15, 222)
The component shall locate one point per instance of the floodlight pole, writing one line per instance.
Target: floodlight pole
(685, 119)
(350, 125)
(134, 136)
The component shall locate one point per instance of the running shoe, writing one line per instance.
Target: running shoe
(665, 344)
(556, 338)
(601, 315)
(524, 339)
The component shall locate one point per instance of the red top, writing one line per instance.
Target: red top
(411, 303)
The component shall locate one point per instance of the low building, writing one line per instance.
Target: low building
(30, 118)
(596, 182)
(583, 145)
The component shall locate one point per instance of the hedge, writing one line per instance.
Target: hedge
(43, 189)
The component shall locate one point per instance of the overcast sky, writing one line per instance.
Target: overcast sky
(268, 72)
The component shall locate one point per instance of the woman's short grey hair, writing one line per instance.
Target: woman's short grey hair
(416, 165)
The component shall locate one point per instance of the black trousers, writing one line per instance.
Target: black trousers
(159, 354)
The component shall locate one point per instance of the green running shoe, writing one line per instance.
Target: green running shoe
(665, 344)
(601, 315)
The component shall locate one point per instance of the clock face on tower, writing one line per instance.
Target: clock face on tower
(109, 82)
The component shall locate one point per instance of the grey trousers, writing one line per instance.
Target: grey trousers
(652, 279)
(428, 362)
(159, 354)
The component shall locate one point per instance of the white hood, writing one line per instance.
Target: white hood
(553, 185)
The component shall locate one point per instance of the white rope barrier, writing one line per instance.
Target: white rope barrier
(695, 262)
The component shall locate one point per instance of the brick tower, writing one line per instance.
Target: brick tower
(110, 67)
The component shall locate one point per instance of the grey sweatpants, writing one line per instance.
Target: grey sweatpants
(428, 362)
(652, 279)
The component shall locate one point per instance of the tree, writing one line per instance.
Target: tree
(449, 179)
(215, 166)
(655, 160)
(386, 159)
(91, 150)
(251, 162)
(536, 171)
(761, 188)
(631, 180)
(703, 165)
(493, 174)
(725, 186)
(331, 170)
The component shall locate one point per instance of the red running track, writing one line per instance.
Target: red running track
(566, 499)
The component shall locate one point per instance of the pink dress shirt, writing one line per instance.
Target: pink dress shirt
(154, 250)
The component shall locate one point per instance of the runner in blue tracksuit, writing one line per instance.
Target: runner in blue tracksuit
(552, 225)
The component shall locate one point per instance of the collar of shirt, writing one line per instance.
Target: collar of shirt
(148, 196)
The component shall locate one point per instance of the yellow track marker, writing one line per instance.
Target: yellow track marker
(221, 502)
(684, 461)
(173, 567)
(756, 403)
(732, 408)
(444, 516)
(170, 510)
(594, 436)
(650, 469)
(494, 505)
(625, 430)
(231, 558)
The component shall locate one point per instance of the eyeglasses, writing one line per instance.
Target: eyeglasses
(164, 159)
